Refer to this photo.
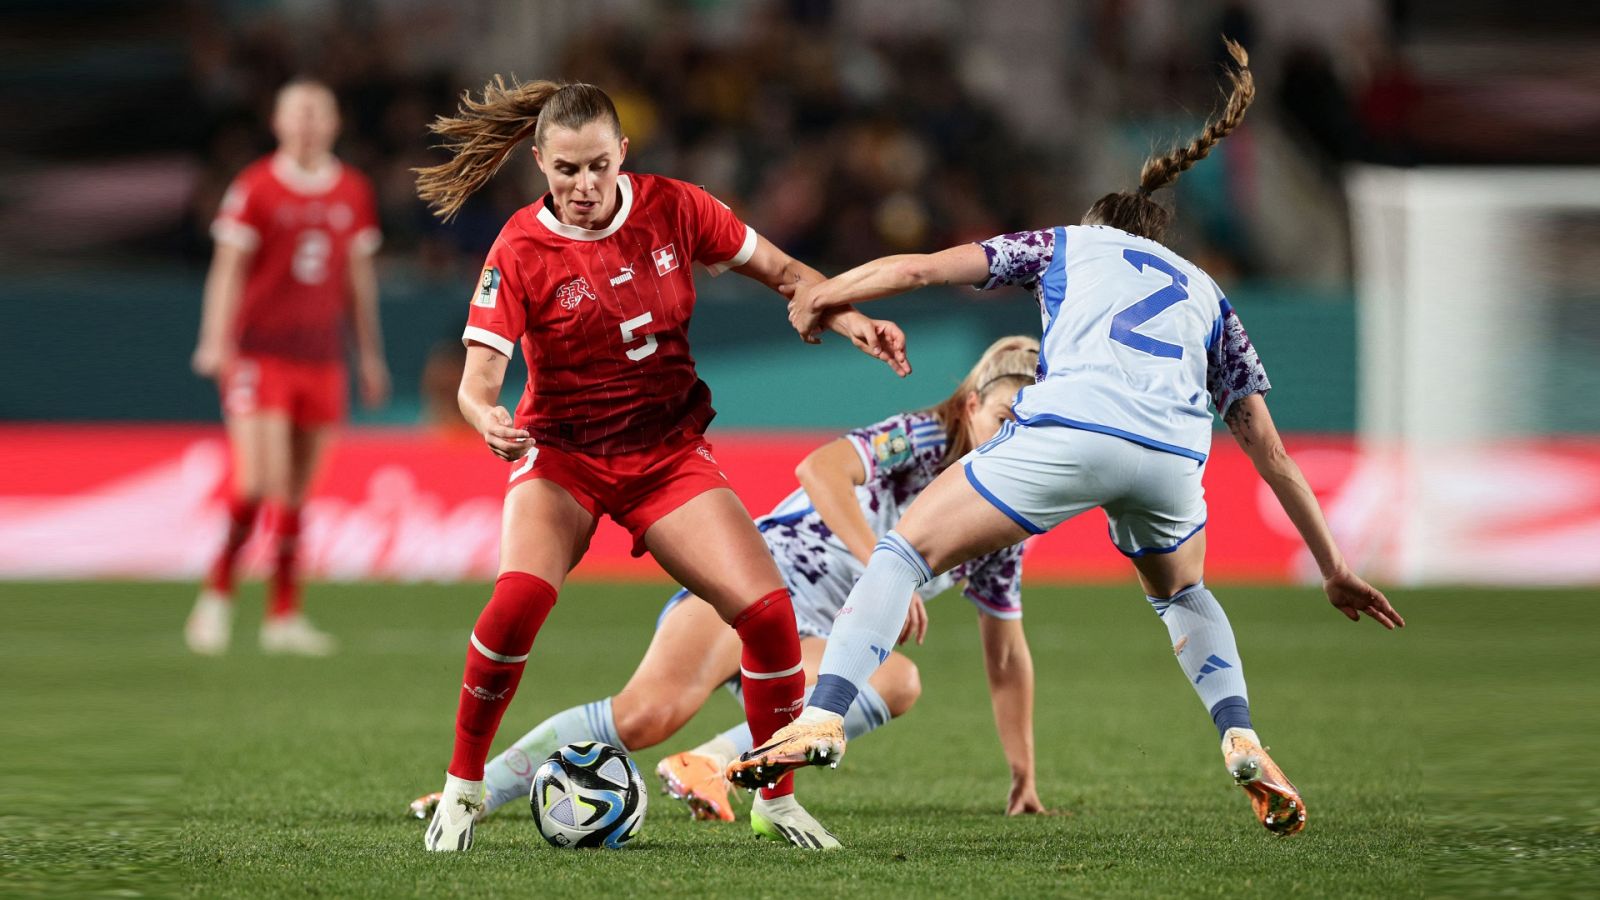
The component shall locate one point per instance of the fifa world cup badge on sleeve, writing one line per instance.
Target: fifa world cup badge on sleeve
(891, 447)
(488, 288)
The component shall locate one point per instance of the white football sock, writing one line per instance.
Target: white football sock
(1204, 644)
(867, 713)
(723, 748)
(866, 628)
(510, 775)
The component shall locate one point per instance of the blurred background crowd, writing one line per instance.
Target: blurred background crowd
(840, 129)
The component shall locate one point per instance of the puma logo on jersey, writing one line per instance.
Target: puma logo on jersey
(666, 259)
(572, 293)
(624, 277)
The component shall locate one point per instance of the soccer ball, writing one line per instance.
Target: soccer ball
(588, 794)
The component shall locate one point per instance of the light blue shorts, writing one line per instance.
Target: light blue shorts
(1043, 475)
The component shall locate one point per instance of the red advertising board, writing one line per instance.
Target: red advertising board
(148, 502)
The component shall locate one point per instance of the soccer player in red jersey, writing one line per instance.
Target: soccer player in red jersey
(293, 261)
(594, 282)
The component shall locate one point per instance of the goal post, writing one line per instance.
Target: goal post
(1478, 294)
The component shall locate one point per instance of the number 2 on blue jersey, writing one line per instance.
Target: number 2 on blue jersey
(1124, 322)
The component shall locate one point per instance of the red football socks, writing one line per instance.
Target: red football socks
(241, 520)
(496, 657)
(774, 681)
(286, 567)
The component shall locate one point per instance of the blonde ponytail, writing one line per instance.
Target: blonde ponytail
(1008, 364)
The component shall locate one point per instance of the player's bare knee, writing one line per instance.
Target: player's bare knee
(900, 684)
(273, 486)
(645, 724)
(248, 485)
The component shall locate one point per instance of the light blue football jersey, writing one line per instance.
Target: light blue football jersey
(1127, 329)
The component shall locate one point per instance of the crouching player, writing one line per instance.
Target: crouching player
(852, 490)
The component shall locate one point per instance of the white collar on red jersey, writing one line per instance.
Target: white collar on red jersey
(303, 181)
(549, 220)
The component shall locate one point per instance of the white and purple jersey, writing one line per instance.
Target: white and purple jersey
(1136, 338)
(901, 456)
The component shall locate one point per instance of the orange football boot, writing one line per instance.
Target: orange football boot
(697, 780)
(1273, 796)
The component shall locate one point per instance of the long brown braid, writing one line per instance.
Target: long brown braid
(1136, 212)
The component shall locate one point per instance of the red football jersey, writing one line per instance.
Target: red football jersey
(603, 316)
(301, 228)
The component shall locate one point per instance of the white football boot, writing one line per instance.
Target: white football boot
(295, 634)
(784, 819)
(459, 805)
(210, 624)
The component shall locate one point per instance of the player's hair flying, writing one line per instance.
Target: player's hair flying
(1137, 212)
(1008, 364)
(482, 133)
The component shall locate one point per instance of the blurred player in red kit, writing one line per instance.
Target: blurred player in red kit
(594, 282)
(293, 261)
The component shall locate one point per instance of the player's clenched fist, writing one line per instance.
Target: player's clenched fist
(507, 442)
(804, 317)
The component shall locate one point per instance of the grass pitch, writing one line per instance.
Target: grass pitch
(1447, 759)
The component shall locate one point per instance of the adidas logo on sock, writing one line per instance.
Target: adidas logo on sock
(1214, 663)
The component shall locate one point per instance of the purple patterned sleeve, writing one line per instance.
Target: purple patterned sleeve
(1018, 258)
(1233, 369)
(887, 447)
(995, 583)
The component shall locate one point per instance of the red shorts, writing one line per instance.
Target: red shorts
(635, 489)
(311, 393)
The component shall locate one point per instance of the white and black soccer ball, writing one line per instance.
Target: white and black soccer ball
(588, 794)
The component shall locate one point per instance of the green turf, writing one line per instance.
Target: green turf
(1454, 758)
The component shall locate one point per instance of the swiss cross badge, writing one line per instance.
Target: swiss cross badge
(666, 259)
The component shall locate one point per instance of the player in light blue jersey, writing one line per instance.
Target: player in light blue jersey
(852, 490)
(1137, 341)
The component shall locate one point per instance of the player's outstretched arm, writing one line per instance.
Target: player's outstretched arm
(1009, 666)
(1252, 426)
(478, 397)
(809, 304)
(219, 307)
(880, 339)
